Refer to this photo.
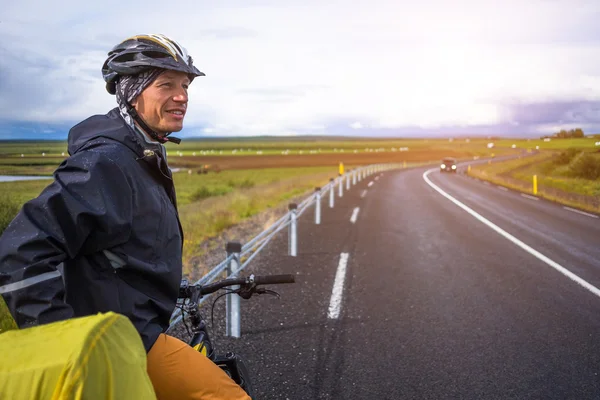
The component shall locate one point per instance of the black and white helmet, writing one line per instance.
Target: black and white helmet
(142, 52)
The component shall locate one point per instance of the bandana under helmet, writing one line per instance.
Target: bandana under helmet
(131, 86)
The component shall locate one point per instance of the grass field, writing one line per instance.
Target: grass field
(245, 146)
(559, 178)
(27, 158)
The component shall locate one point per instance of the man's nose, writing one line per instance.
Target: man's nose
(181, 96)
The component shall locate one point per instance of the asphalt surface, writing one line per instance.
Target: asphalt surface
(499, 302)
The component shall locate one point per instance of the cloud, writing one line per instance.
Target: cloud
(288, 66)
(564, 112)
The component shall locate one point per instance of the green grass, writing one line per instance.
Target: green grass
(501, 167)
(308, 147)
(320, 145)
(208, 218)
(6, 320)
(192, 187)
(553, 144)
(35, 148)
(14, 194)
(552, 170)
(548, 173)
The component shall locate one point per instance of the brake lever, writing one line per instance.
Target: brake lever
(246, 293)
(267, 291)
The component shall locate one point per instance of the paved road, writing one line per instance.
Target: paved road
(453, 289)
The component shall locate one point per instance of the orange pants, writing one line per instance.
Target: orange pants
(179, 372)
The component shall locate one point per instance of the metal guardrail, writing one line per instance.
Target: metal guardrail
(233, 265)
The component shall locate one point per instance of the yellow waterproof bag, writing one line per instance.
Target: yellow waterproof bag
(95, 357)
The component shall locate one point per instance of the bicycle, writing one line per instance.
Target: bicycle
(200, 340)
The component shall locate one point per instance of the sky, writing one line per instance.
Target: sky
(356, 68)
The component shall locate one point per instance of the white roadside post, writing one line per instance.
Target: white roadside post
(292, 248)
(331, 194)
(318, 205)
(232, 305)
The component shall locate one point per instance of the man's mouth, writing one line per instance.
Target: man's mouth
(176, 113)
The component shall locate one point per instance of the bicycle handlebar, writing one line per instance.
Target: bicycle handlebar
(188, 291)
(274, 279)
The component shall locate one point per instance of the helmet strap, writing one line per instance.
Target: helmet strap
(161, 139)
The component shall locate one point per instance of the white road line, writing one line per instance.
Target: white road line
(529, 197)
(370, 184)
(354, 215)
(513, 239)
(502, 188)
(580, 212)
(335, 304)
(376, 178)
(363, 194)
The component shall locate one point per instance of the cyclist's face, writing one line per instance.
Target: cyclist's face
(163, 104)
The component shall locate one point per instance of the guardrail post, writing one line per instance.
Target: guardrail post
(331, 195)
(354, 177)
(232, 304)
(347, 182)
(292, 248)
(341, 186)
(318, 206)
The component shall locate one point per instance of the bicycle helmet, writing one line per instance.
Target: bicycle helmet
(141, 53)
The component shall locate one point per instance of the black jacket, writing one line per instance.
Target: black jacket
(104, 236)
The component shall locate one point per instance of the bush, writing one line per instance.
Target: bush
(565, 157)
(587, 167)
(245, 184)
(202, 193)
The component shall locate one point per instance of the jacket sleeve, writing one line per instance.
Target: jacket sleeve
(87, 208)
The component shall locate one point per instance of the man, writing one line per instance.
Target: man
(105, 235)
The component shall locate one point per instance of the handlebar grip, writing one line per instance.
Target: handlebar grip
(273, 279)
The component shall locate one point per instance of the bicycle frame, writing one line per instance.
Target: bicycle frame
(231, 363)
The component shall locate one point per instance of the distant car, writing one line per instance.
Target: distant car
(448, 165)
